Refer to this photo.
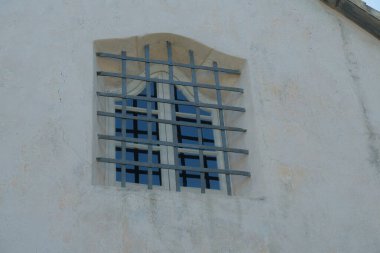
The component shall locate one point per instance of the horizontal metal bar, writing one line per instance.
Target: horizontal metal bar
(171, 122)
(183, 65)
(169, 101)
(157, 80)
(173, 167)
(171, 144)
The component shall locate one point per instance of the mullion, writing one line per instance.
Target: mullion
(136, 168)
(198, 118)
(207, 178)
(123, 121)
(135, 127)
(173, 112)
(176, 99)
(149, 114)
(179, 134)
(223, 132)
(183, 173)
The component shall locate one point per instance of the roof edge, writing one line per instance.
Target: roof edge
(362, 14)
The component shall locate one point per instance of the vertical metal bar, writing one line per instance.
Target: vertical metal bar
(149, 114)
(173, 112)
(221, 123)
(198, 117)
(123, 121)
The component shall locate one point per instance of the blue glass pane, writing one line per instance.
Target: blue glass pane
(141, 104)
(214, 184)
(192, 179)
(212, 179)
(130, 177)
(211, 164)
(120, 102)
(186, 109)
(143, 177)
(156, 179)
(208, 137)
(192, 161)
(129, 155)
(189, 178)
(136, 174)
(136, 128)
(187, 134)
(194, 182)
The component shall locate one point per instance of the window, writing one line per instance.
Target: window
(164, 132)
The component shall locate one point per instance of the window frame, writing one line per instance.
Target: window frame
(165, 131)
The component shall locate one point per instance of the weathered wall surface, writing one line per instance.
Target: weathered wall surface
(313, 82)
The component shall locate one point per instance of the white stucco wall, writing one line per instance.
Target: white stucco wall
(313, 81)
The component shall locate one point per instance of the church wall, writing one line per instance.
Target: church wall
(312, 89)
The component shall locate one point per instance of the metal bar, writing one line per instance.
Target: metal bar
(171, 144)
(171, 82)
(183, 65)
(174, 167)
(173, 113)
(223, 133)
(169, 101)
(123, 121)
(198, 117)
(172, 122)
(149, 115)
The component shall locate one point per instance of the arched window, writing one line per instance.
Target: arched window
(161, 130)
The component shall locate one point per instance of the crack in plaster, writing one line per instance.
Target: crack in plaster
(353, 68)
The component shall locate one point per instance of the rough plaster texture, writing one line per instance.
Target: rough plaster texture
(312, 94)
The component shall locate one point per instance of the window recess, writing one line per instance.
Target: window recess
(163, 128)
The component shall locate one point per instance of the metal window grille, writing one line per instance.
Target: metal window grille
(207, 174)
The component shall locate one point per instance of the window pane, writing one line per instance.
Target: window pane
(189, 135)
(136, 128)
(212, 179)
(208, 137)
(192, 179)
(137, 174)
(189, 178)
(183, 108)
